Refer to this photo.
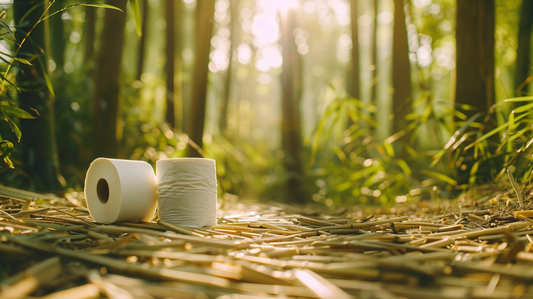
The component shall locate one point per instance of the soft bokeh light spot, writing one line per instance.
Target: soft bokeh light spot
(424, 56)
(341, 9)
(421, 3)
(400, 199)
(365, 20)
(282, 5)
(272, 57)
(51, 65)
(160, 24)
(385, 17)
(187, 54)
(244, 54)
(68, 67)
(265, 29)
(345, 40)
(262, 65)
(367, 162)
(190, 4)
(264, 78)
(303, 49)
(308, 7)
(75, 37)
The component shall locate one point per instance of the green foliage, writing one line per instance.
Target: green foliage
(134, 4)
(479, 152)
(9, 111)
(350, 163)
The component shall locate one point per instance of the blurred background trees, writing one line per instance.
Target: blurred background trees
(331, 101)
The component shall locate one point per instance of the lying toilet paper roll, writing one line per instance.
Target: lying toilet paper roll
(187, 191)
(120, 190)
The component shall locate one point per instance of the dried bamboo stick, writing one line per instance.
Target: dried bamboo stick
(259, 274)
(117, 230)
(191, 257)
(87, 291)
(378, 222)
(19, 226)
(315, 221)
(273, 226)
(176, 228)
(122, 266)
(15, 250)
(296, 227)
(320, 286)
(279, 290)
(515, 271)
(24, 283)
(415, 224)
(478, 233)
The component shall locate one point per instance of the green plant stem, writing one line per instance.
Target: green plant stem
(515, 187)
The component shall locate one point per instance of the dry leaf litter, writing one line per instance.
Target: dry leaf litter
(477, 246)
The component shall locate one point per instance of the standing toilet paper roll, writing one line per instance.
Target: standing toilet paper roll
(120, 190)
(187, 191)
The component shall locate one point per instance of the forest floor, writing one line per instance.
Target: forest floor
(475, 246)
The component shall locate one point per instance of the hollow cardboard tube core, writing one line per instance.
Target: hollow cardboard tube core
(102, 190)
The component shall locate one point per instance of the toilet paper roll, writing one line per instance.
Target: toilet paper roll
(187, 191)
(120, 190)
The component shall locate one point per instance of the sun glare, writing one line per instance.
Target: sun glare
(282, 5)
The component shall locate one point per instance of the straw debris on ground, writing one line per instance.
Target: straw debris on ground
(477, 246)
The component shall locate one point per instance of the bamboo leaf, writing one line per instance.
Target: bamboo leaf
(461, 130)
(49, 83)
(10, 83)
(11, 124)
(519, 99)
(361, 173)
(523, 108)
(492, 132)
(389, 149)
(320, 128)
(15, 129)
(8, 161)
(134, 5)
(440, 176)
(344, 186)
(6, 147)
(88, 4)
(15, 112)
(21, 60)
(518, 134)
(98, 4)
(6, 27)
(404, 166)
(473, 172)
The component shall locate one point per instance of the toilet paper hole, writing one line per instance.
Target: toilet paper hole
(102, 190)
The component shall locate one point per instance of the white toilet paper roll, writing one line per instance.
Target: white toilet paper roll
(187, 191)
(120, 190)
